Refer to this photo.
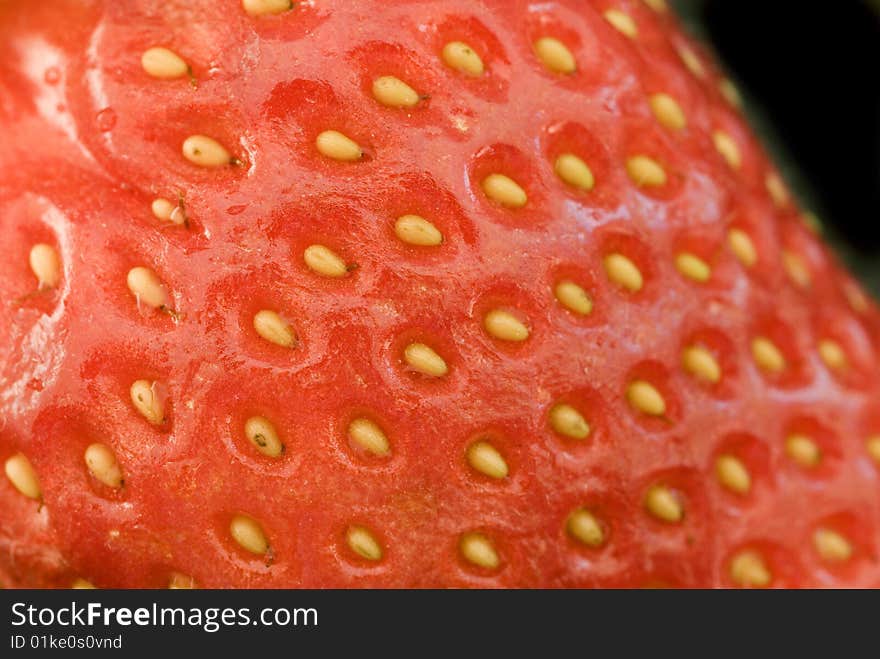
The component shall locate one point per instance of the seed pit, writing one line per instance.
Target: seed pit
(368, 436)
(504, 190)
(394, 92)
(274, 329)
(325, 261)
(249, 535)
(622, 22)
(45, 264)
(478, 550)
(831, 546)
(486, 459)
(262, 434)
(573, 297)
(102, 464)
(574, 171)
(164, 64)
(732, 474)
(727, 147)
(363, 543)
(146, 286)
(833, 354)
(693, 267)
(667, 111)
(424, 360)
(742, 247)
(148, 401)
(623, 272)
(748, 570)
(23, 477)
(583, 526)
(699, 362)
(205, 152)
(505, 326)
(555, 55)
(644, 171)
(168, 211)
(664, 504)
(337, 146)
(416, 230)
(645, 398)
(768, 356)
(464, 59)
(569, 422)
(803, 450)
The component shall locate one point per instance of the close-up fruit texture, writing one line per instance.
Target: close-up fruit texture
(422, 293)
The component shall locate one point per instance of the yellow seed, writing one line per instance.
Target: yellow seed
(645, 172)
(574, 171)
(748, 570)
(701, 363)
(248, 533)
(803, 450)
(796, 269)
(505, 326)
(583, 526)
(476, 548)
(644, 397)
(164, 63)
(872, 445)
(337, 146)
(727, 148)
(486, 459)
(623, 272)
(168, 211)
(504, 190)
(205, 151)
(555, 55)
(179, 581)
(567, 421)
(622, 22)
(263, 7)
(659, 6)
(831, 546)
(573, 297)
(693, 267)
(147, 288)
(272, 327)
(855, 297)
(147, 401)
(742, 247)
(21, 474)
(416, 230)
(45, 265)
(101, 462)
(732, 474)
(369, 437)
(663, 504)
(730, 92)
(668, 111)
(82, 584)
(262, 434)
(394, 92)
(833, 355)
(363, 543)
(424, 360)
(767, 356)
(691, 61)
(462, 58)
(324, 261)
(776, 189)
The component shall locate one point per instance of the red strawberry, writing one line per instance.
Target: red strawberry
(436, 293)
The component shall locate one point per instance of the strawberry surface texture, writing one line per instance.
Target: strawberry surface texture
(356, 293)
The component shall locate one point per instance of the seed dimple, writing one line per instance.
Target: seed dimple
(555, 55)
(82, 584)
(732, 474)
(147, 401)
(505, 326)
(325, 261)
(363, 543)
(831, 546)
(693, 267)
(622, 22)
(264, 7)
(730, 92)
(337, 146)
(645, 172)
(394, 92)
(567, 421)
(486, 459)
(623, 272)
(369, 437)
(146, 286)
(272, 327)
(645, 398)
(416, 230)
(477, 549)
(21, 474)
(462, 58)
(663, 504)
(583, 526)
(205, 151)
(249, 535)
(168, 211)
(796, 269)
(776, 189)
(164, 63)
(573, 297)
(803, 450)
(872, 446)
(748, 570)
(574, 171)
(701, 363)
(504, 190)
(102, 463)
(45, 264)
(262, 434)
(668, 112)
(179, 581)
(423, 359)
(727, 147)
(833, 355)
(742, 247)
(767, 356)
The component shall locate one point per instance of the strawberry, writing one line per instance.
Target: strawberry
(436, 293)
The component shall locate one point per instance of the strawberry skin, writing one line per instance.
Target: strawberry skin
(413, 294)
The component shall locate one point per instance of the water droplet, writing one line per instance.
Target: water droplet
(106, 119)
(52, 76)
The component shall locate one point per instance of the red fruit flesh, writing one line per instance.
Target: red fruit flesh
(90, 140)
